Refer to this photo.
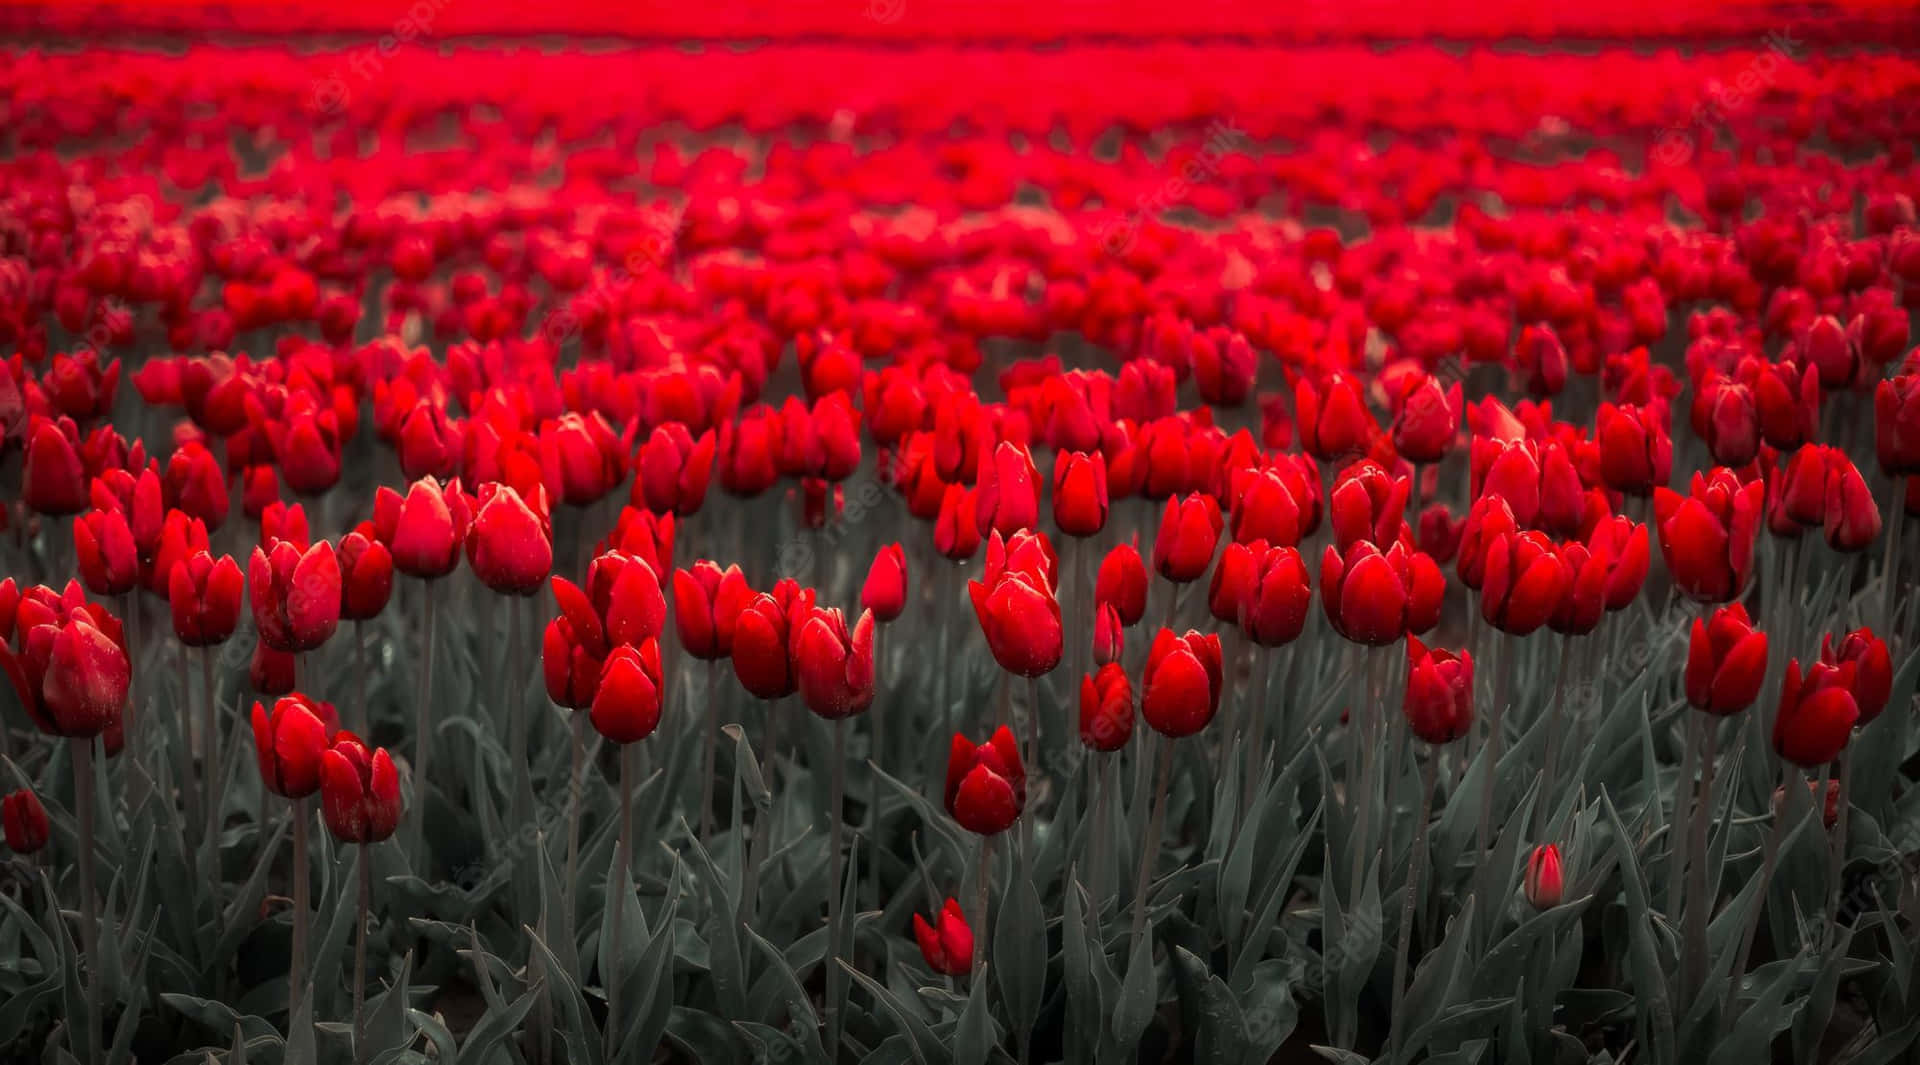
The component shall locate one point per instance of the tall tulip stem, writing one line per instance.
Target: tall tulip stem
(423, 719)
(1415, 867)
(983, 881)
(1694, 927)
(360, 956)
(575, 793)
(1150, 843)
(836, 804)
(877, 754)
(624, 866)
(82, 748)
(711, 753)
(297, 966)
(215, 767)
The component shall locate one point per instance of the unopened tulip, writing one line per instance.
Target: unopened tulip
(626, 702)
(1018, 612)
(1375, 599)
(289, 742)
(1707, 536)
(109, 561)
(570, 666)
(707, 600)
(195, 484)
(947, 944)
(1367, 504)
(672, 470)
(1106, 708)
(1538, 483)
(1180, 686)
(1525, 581)
(1189, 532)
(1332, 417)
(1867, 654)
(1896, 424)
(835, 666)
(1787, 398)
(205, 595)
(1426, 419)
(281, 522)
(1544, 879)
(885, 590)
(1852, 519)
(510, 545)
(53, 481)
(1439, 698)
(956, 535)
(1122, 581)
(71, 672)
(1267, 507)
(1274, 610)
(359, 792)
(763, 640)
(986, 783)
(1817, 713)
(1080, 500)
(423, 530)
(295, 596)
(1007, 494)
(25, 821)
(366, 574)
(1726, 662)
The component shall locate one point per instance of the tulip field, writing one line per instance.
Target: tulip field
(590, 534)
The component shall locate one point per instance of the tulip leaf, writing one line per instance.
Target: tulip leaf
(387, 1012)
(1207, 1002)
(1020, 953)
(787, 984)
(927, 1050)
(575, 1021)
(974, 1035)
(1139, 995)
(1649, 975)
(495, 1025)
(1268, 1008)
(1438, 980)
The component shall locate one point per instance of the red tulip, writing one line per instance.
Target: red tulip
(707, 601)
(1426, 419)
(672, 470)
(1852, 518)
(1007, 495)
(359, 792)
(53, 480)
(1189, 531)
(1233, 581)
(1872, 669)
(180, 536)
(195, 484)
(1106, 708)
(746, 450)
(103, 546)
(424, 530)
(1625, 545)
(570, 666)
(1109, 636)
(1439, 532)
(1332, 417)
(1439, 697)
(290, 742)
(621, 604)
(1787, 397)
(25, 821)
(1707, 536)
(1896, 424)
(1727, 417)
(1817, 714)
(1122, 581)
(1367, 504)
(429, 442)
(1180, 687)
(986, 783)
(281, 522)
(1021, 620)
(205, 597)
(366, 574)
(763, 644)
(1224, 373)
(1726, 662)
(1825, 347)
(1274, 610)
(581, 459)
(1537, 482)
(1375, 599)
(956, 535)
(642, 533)
(1267, 506)
(308, 447)
(510, 545)
(1080, 493)
(948, 948)
(1544, 879)
(885, 590)
(1525, 582)
(835, 668)
(1541, 356)
(71, 671)
(626, 702)
(295, 596)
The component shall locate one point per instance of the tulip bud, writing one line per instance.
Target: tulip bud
(1274, 610)
(1080, 502)
(1367, 504)
(956, 535)
(1180, 687)
(948, 946)
(1544, 883)
(288, 744)
(1189, 531)
(672, 470)
(1707, 536)
(366, 574)
(885, 590)
(1525, 582)
(53, 480)
(359, 792)
(1439, 698)
(205, 598)
(835, 667)
(1896, 423)
(25, 821)
(103, 546)
(1021, 620)
(295, 596)
(707, 601)
(1817, 713)
(1726, 662)
(510, 546)
(1122, 581)
(1375, 599)
(1332, 417)
(195, 484)
(424, 530)
(763, 640)
(986, 783)
(1109, 636)
(1866, 654)
(626, 703)
(1426, 419)
(71, 672)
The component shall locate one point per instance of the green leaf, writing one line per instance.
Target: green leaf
(1748, 1039)
(1269, 1008)
(1206, 1001)
(799, 1003)
(974, 1036)
(1020, 953)
(1438, 982)
(575, 1021)
(927, 1050)
(1649, 975)
(1139, 995)
(495, 1025)
(386, 1013)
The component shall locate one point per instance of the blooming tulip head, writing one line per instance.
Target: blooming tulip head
(424, 529)
(71, 670)
(1332, 417)
(359, 791)
(205, 597)
(626, 701)
(1189, 531)
(1274, 609)
(1866, 654)
(1707, 536)
(1080, 500)
(986, 783)
(366, 574)
(1896, 423)
(1180, 686)
(707, 600)
(103, 545)
(295, 596)
(1726, 662)
(1007, 494)
(1017, 609)
(835, 666)
(764, 641)
(1375, 598)
(946, 944)
(672, 470)
(1367, 504)
(1426, 419)
(510, 545)
(1439, 698)
(1106, 708)
(1817, 713)
(289, 743)
(1526, 580)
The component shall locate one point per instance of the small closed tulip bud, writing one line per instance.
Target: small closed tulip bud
(1189, 532)
(1122, 581)
(947, 943)
(1726, 662)
(1872, 669)
(707, 600)
(885, 590)
(1275, 609)
(25, 821)
(1544, 880)
(510, 546)
(366, 574)
(53, 480)
(570, 666)
(109, 562)
(626, 703)
(1180, 686)
(835, 666)
(1109, 636)
(1106, 708)
(1439, 699)
(1080, 502)
(986, 783)
(289, 742)
(672, 470)
(763, 640)
(1707, 536)
(1817, 713)
(295, 596)
(204, 594)
(359, 792)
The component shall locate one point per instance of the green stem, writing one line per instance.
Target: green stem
(82, 749)
(215, 768)
(1415, 867)
(423, 722)
(1150, 844)
(360, 1047)
(297, 966)
(1699, 905)
(576, 786)
(836, 803)
(711, 753)
(623, 868)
